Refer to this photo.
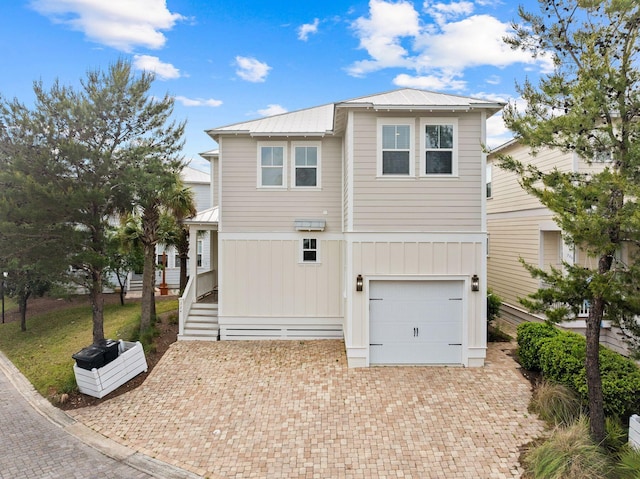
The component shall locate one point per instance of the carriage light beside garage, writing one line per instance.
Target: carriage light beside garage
(359, 283)
(475, 283)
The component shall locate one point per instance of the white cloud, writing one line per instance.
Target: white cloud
(163, 71)
(381, 35)
(198, 101)
(443, 12)
(121, 24)
(307, 29)
(395, 36)
(251, 69)
(272, 109)
(429, 82)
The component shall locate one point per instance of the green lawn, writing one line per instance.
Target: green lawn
(43, 352)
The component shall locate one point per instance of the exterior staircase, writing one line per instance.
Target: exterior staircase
(201, 323)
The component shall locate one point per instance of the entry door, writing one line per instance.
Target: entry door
(415, 322)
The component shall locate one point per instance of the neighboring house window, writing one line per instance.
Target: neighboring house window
(489, 174)
(439, 146)
(176, 259)
(310, 250)
(603, 156)
(395, 147)
(271, 165)
(199, 257)
(306, 165)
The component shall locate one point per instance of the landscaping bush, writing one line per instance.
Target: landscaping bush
(530, 337)
(562, 358)
(568, 454)
(620, 384)
(494, 302)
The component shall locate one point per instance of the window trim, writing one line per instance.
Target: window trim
(318, 146)
(392, 121)
(271, 144)
(423, 147)
(301, 259)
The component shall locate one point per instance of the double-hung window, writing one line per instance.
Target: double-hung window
(488, 180)
(310, 250)
(271, 165)
(306, 165)
(439, 138)
(395, 147)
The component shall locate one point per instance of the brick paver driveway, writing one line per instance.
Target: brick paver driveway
(292, 409)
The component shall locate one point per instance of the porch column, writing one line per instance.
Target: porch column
(193, 255)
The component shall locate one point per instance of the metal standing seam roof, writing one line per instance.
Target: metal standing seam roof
(319, 121)
(208, 216)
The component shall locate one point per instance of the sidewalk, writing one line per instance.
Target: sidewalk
(39, 440)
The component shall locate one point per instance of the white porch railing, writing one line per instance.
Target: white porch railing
(206, 283)
(184, 304)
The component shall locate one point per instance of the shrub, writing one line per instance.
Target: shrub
(616, 435)
(494, 302)
(620, 384)
(556, 403)
(568, 454)
(530, 336)
(562, 358)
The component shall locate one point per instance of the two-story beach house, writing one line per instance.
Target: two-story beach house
(520, 227)
(363, 219)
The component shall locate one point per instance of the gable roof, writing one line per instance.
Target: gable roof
(321, 120)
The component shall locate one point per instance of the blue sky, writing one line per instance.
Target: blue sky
(229, 61)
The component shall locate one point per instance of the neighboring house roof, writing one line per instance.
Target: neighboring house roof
(504, 146)
(322, 120)
(191, 175)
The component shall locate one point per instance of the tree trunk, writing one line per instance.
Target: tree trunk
(22, 301)
(592, 365)
(148, 288)
(183, 253)
(97, 306)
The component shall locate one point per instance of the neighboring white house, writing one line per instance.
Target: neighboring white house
(519, 226)
(200, 183)
(363, 219)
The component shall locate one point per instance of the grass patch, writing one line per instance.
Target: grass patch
(568, 454)
(43, 352)
(556, 404)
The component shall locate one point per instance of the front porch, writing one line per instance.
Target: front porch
(198, 305)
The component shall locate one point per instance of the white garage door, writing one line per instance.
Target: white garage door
(415, 322)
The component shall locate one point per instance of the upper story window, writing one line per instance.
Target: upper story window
(489, 179)
(439, 144)
(395, 147)
(271, 164)
(306, 165)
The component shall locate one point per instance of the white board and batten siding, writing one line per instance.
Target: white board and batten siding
(426, 265)
(270, 293)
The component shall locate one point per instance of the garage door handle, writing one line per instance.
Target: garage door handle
(455, 299)
(455, 344)
(375, 299)
(375, 344)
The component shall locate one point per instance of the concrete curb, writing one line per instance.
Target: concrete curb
(97, 441)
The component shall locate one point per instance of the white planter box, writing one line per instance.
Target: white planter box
(101, 381)
(634, 431)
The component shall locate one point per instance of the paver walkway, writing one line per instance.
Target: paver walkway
(292, 409)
